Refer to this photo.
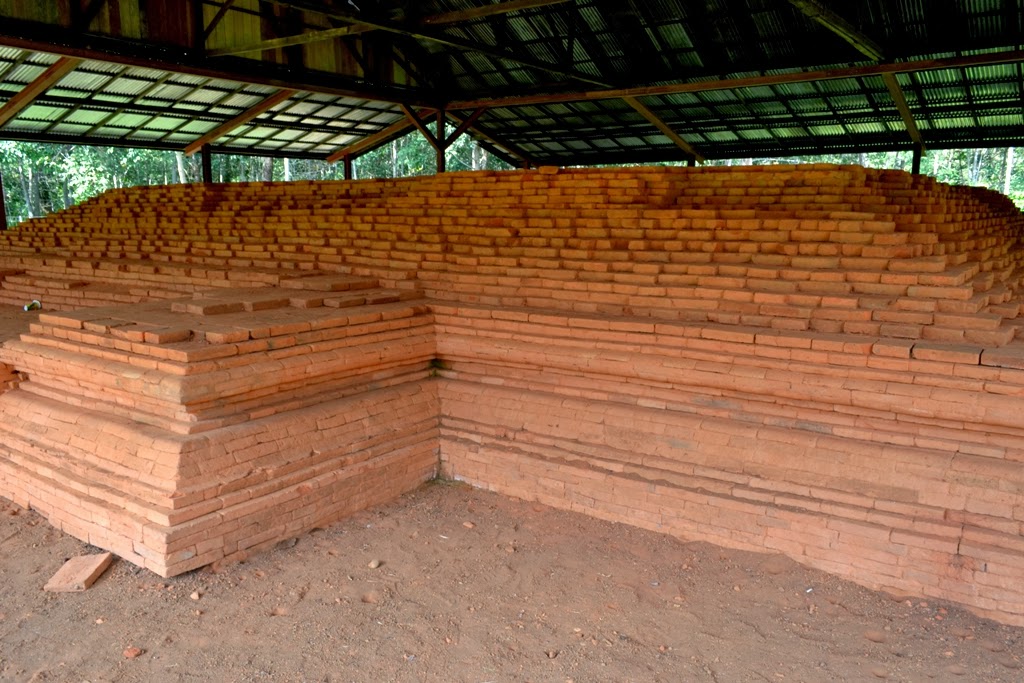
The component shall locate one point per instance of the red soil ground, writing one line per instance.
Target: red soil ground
(474, 587)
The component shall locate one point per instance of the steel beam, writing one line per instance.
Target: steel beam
(986, 59)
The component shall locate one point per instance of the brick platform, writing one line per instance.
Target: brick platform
(824, 361)
(180, 433)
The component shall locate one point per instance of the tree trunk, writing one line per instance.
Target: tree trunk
(179, 158)
(1008, 171)
(268, 169)
(26, 189)
(974, 168)
(34, 202)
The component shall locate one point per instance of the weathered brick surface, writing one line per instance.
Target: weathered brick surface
(817, 360)
(181, 433)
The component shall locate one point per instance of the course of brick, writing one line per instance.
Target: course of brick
(180, 433)
(824, 361)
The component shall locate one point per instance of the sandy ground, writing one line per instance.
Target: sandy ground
(475, 587)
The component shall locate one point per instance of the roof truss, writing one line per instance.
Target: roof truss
(658, 123)
(868, 47)
(240, 120)
(544, 81)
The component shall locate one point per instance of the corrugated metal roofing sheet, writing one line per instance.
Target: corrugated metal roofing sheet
(644, 42)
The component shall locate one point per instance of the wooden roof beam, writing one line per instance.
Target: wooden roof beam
(27, 95)
(666, 129)
(240, 120)
(869, 48)
(289, 41)
(435, 141)
(371, 142)
(901, 104)
(464, 126)
(487, 11)
(835, 23)
(487, 137)
(221, 13)
(359, 28)
(422, 33)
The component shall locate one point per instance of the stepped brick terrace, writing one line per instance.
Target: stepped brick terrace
(822, 361)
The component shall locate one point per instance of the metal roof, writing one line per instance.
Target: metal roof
(545, 81)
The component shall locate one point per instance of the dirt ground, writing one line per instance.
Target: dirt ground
(454, 584)
(14, 320)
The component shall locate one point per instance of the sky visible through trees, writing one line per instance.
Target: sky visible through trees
(43, 178)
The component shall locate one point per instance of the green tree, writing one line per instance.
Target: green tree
(41, 178)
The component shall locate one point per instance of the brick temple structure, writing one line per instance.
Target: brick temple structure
(818, 360)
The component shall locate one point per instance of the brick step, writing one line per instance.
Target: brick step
(874, 319)
(724, 449)
(249, 498)
(742, 488)
(83, 298)
(184, 277)
(222, 338)
(870, 552)
(73, 286)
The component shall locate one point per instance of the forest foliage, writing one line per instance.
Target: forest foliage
(43, 178)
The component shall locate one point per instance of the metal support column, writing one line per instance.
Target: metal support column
(3, 202)
(442, 145)
(916, 166)
(206, 156)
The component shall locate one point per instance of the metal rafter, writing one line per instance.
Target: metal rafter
(58, 70)
(111, 109)
(135, 100)
(1006, 57)
(735, 130)
(786, 49)
(240, 120)
(57, 40)
(15, 63)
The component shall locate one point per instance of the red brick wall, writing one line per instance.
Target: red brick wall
(827, 453)
(818, 360)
